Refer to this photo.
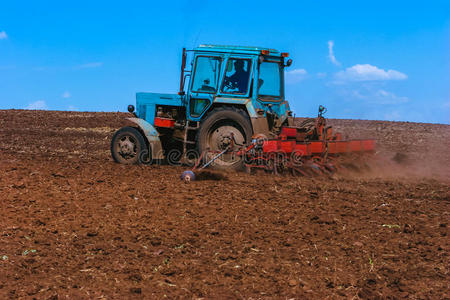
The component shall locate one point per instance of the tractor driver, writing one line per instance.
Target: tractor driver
(239, 80)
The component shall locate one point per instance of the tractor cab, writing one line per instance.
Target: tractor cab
(236, 76)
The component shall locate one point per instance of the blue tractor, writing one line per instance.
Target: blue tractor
(228, 95)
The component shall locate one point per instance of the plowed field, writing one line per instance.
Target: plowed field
(74, 224)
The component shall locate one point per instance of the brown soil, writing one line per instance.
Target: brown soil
(75, 224)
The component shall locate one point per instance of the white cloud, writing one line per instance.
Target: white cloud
(368, 72)
(331, 54)
(385, 97)
(72, 108)
(321, 75)
(38, 105)
(295, 75)
(66, 94)
(3, 35)
(380, 96)
(89, 65)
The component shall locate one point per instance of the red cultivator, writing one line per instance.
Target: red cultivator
(309, 149)
(312, 148)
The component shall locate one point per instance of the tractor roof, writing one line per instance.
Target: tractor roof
(236, 49)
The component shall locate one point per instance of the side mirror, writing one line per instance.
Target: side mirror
(289, 62)
(131, 108)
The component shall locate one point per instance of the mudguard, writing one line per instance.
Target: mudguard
(152, 136)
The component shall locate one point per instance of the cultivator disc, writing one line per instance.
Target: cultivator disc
(302, 158)
(300, 165)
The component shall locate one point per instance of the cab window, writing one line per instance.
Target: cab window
(237, 76)
(269, 82)
(206, 74)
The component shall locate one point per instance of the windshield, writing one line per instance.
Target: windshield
(206, 74)
(270, 81)
(237, 76)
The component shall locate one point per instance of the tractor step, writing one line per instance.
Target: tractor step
(190, 126)
(195, 127)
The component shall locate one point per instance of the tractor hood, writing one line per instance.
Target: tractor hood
(146, 104)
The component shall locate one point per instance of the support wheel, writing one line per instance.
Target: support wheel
(128, 147)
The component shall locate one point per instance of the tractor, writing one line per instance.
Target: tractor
(229, 94)
(230, 98)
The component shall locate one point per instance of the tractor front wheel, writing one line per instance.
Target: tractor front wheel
(128, 146)
(224, 128)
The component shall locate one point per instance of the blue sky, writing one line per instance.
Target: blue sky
(384, 60)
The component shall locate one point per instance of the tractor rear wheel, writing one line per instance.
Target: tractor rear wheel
(224, 127)
(128, 146)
